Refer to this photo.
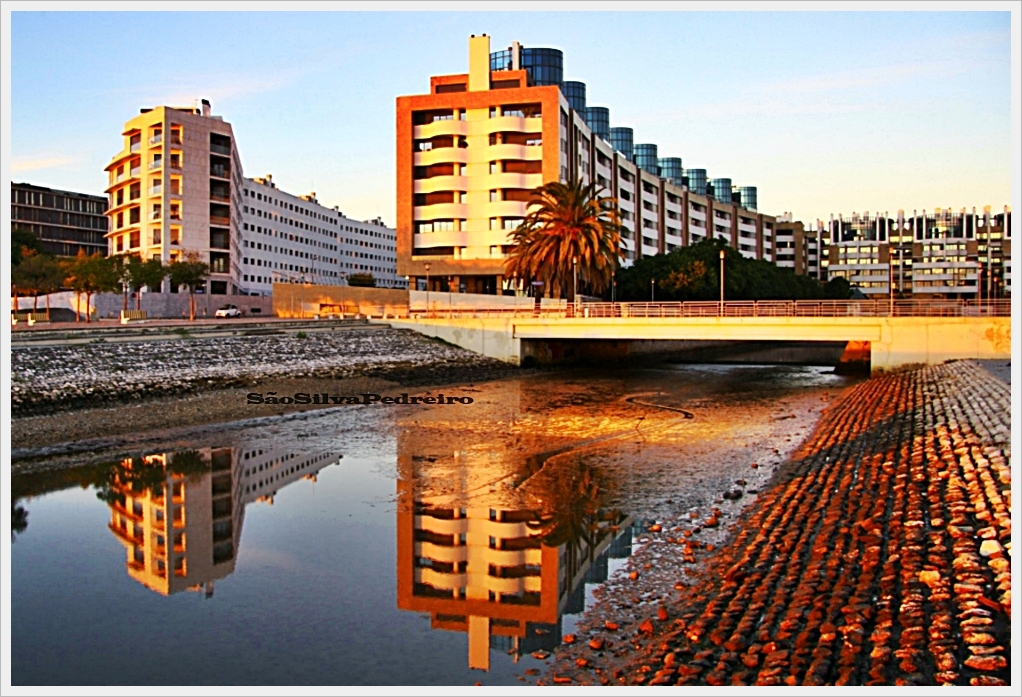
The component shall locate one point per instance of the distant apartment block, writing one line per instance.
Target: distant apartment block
(939, 254)
(470, 153)
(64, 222)
(799, 248)
(177, 188)
(291, 239)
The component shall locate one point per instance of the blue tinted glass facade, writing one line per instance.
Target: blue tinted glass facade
(747, 197)
(501, 60)
(646, 158)
(575, 93)
(670, 169)
(696, 181)
(621, 139)
(545, 66)
(598, 118)
(720, 189)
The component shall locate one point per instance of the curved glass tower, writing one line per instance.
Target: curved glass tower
(598, 118)
(645, 157)
(545, 66)
(696, 181)
(670, 169)
(621, 138)
(746, 197)
(720, 189)
(575, 93)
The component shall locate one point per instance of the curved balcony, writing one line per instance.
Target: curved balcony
(505, 585)
(451, 526)
(440, 155)
(442, 183)
(441, 211)
(441, 553)
(440, 128)
(461, 238)
(501, 209)
(509, 151)
(512, 123)
(439, 580)
(508, 180)
(132, 174)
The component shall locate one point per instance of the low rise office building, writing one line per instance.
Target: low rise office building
(64, 222)
(470, 153)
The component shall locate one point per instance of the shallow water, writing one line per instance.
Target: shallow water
(381, 544)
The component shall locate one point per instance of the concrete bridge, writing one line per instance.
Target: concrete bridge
(891, 334)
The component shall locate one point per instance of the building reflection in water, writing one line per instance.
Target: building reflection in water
(179, 515)
(503, 576)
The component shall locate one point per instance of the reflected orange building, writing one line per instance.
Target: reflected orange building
(487, 571)
(182, 530)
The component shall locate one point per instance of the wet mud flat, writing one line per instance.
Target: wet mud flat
(878, 554)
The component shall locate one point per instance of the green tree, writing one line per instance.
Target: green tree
(90, 274)
(693, 273)
(567, 223)
(37, 274)
(364, 280)
(137, 274)
(150, 274)
(192, 273)
(21, 240)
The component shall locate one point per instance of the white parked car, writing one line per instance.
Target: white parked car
(228, 311)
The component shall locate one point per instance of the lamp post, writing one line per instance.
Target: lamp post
(450, 299)
(427, 290)
(652, 290)
(722, 283)
(574, 284)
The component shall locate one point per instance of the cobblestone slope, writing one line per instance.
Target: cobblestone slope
(879, 556)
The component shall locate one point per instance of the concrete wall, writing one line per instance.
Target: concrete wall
(493, 337)
(297, 300)
(157, 305)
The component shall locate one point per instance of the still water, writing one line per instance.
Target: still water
(378, 544)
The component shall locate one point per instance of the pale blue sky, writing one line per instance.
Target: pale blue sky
(823, 111)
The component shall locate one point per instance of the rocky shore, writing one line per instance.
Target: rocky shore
(878, 555)
(69, 399)
(60, 378)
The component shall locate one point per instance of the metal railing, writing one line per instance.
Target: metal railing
(743, 309)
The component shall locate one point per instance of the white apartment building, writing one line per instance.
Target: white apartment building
(292, 239)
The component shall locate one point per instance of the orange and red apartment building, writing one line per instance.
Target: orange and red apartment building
(470, 153)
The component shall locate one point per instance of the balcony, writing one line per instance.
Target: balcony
(155, 215)
(136, 171)
(156, 140)
(219, 220)
(135, 147)
(155, 190)
(176, 139)
(155, 164)
(175, 215)
(220, 149)
(220, 198)
(220, 172)
(175, 163)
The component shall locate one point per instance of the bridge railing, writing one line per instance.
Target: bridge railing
(738, 308)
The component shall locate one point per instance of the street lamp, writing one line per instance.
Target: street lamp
(652, 290)
(427, 290)
(722, 283)
(574, 283)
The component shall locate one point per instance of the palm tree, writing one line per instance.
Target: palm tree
(567, 224)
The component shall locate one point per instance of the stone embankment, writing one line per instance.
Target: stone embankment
(880, 555)
(45, 379)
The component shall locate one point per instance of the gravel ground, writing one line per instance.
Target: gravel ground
(58, 378)
(879, 555)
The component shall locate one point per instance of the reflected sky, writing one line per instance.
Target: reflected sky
(371, 546)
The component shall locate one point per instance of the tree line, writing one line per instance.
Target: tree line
(36, 273)
(572, 237)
